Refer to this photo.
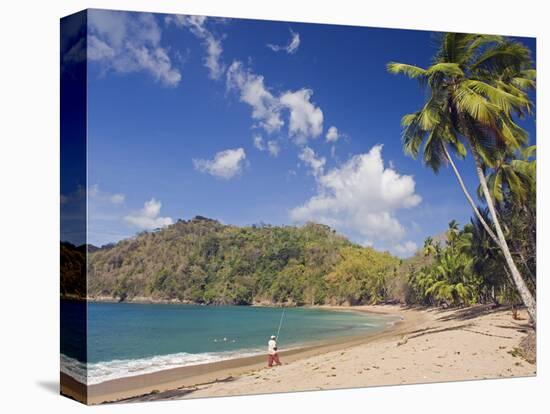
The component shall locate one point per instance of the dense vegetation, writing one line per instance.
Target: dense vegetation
(477, 89)
(463, 270)
(73, 270)
(204, 261)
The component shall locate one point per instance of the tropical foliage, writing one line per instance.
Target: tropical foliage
(451, 278)
(478, 88)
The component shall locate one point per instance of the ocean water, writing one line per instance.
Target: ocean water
(130, 339)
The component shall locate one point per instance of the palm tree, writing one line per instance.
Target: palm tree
(512, 174)
(512, 184)
(477, 85)
(453, 233)
(455, 282)
(429, 247)
(486, 257)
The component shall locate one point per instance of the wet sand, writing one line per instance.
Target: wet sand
(426, 346)
(223, 371)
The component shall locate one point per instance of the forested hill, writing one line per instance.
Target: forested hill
(204, 261)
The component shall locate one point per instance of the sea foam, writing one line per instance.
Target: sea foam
(97, 372)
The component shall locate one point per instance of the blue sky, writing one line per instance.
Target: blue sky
(250, 121)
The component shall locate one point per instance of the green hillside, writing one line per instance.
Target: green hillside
(204, 261)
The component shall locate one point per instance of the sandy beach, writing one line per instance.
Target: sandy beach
(426, 346)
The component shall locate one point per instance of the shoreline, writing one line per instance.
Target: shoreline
(143, 300)
(189, 376)
(446, 345)
(426, 345)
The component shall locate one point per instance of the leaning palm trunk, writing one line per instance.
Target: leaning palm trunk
(520, 284)
(469, 197)
(526, 266)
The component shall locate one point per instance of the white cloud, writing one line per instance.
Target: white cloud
(361, 197)
(273, 148)
(148, 218)
(306, 120)
(99, 50)
(258, 142)
(73, 40)
(124, 43)
(332, 134)
(405, 249)
(197, 26)
(317, 164)
(117, 198)
(225, 164)
(265, 107)
(292, 46)
(98, 195)
(77, 52)
(93, 191)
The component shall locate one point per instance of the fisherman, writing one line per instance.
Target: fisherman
(272, 355)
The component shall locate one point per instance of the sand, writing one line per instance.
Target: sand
(446, 346)
(427, 346)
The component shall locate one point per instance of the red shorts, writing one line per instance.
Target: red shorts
(273, 358)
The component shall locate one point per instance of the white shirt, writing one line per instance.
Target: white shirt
(271, 345)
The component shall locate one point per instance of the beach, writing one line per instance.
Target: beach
(427, 345)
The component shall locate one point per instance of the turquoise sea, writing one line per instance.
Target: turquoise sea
(127, 339)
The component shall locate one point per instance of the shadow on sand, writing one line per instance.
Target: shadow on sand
(169, 395)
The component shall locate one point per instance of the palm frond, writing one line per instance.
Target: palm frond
(480, 43)
(512, 134)
(455, 143)
(409, 70)
(476, 105)
(504, 55)
(446, 68)
(494, 183)
(502, 99)
(516, 183)
(524, 84)
(529, 152)
(433, 155)
(413, 134)
(454, 47)
(429, 117)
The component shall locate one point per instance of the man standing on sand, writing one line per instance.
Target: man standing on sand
(272, 355)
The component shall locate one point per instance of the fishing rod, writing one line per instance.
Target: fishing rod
(280, 324)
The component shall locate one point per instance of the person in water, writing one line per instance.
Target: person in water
(272, 354)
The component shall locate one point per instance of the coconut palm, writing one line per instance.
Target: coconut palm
(431, 248)
(453, 234)
(486, 257)
(513, 175)
(477, 87)
(455, 282)
(512, 184)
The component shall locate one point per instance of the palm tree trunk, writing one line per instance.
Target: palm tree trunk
(469, 197)
(526, 266)
(521, 286)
